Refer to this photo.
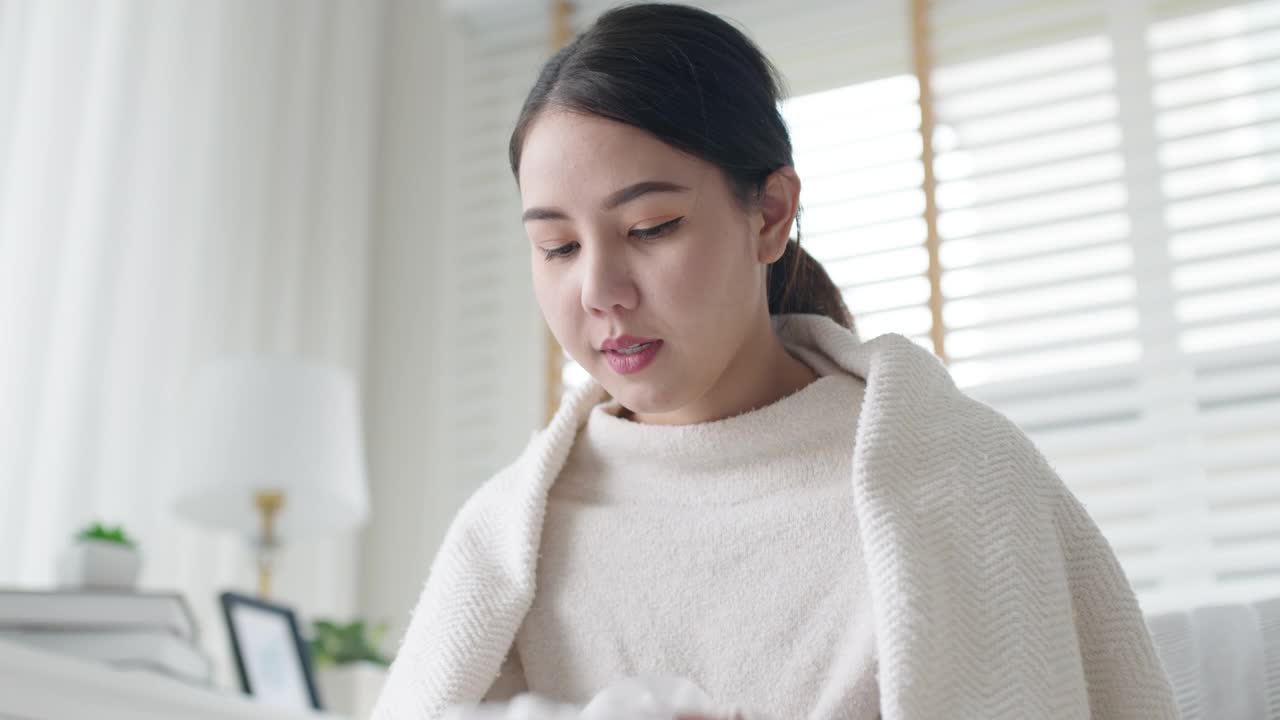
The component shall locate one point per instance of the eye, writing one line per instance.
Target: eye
(560, 252)
(656, 231)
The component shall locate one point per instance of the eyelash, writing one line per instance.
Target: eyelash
(652, 233)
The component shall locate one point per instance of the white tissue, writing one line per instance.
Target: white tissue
(651, 697)
(648, 697)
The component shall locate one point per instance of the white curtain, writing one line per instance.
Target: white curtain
(178, 179)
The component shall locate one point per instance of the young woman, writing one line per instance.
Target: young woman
(749, 496)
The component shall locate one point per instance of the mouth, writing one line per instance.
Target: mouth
(632, 358)
(626, 343)
(633, 349)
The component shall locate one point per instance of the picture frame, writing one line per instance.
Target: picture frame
(272, 659)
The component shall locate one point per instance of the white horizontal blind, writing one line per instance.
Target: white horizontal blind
(492, 346)
(1215, 71)
(1109, 268)
(1037, 268)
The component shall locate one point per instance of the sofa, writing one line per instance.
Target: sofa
(1223, 660)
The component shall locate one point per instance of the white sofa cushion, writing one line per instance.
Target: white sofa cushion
(1223, 660)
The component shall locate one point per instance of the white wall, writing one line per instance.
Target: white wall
(410, 505)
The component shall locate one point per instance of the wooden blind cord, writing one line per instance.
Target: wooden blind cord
(922, 65)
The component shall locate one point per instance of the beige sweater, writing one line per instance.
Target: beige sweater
(725, 553)
(994, 595)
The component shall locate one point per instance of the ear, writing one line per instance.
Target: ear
(779, 202)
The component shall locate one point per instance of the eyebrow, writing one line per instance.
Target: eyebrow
(620, 197)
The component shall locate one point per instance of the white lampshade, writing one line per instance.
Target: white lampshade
(272, 423)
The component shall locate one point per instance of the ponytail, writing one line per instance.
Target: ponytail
(799, 284)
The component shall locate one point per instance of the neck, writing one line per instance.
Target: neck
(753, 380)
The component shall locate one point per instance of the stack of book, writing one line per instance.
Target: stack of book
(134, 630)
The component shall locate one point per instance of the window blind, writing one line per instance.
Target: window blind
(1215, 95)
(491, 344)
(1108, 215)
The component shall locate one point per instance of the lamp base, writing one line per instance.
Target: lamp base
(268, 503)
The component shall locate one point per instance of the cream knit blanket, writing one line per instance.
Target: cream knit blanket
(994, 594)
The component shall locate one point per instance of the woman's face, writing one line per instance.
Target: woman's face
(631, 237)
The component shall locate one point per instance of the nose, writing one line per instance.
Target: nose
(607, 285)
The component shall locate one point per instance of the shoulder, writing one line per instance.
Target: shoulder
(488, 530)
(514, 497)
(962, 452)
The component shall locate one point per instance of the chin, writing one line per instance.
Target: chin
(639, 396)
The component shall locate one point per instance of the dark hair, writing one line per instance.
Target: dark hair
(700, 85)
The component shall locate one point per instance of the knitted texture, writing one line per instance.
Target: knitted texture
(994, 594)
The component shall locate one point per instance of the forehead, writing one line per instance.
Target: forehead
(590, 156)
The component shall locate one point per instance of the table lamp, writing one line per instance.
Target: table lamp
(273, 449)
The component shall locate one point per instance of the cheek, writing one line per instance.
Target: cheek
(711, 272)
(557, 298)
(542, 282)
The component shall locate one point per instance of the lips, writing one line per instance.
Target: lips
(625, 342)
(632, 350)
(632, 357)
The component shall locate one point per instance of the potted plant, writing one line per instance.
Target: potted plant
(350, 668)
(101, 558)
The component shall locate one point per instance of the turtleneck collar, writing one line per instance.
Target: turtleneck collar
(722, 460)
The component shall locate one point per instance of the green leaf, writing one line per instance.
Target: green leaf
(340, 643)
(98, 531)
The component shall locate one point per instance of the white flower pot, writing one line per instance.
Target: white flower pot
(99, 565)
(352, 689)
